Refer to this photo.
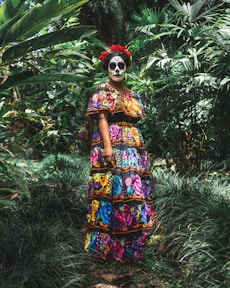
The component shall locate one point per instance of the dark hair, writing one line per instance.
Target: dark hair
(116, 53)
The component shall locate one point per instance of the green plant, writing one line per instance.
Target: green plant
(43, 242)
(194, 217)
(45, 253)
(41, 44)
(12, 186)
(24, 29)
(188, 95)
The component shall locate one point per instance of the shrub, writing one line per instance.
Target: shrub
(195, 220)
(43, 243)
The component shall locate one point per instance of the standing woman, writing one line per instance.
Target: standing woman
(119, 214)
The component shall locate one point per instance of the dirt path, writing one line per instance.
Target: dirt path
(114, 276)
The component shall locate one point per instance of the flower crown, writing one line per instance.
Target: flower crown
(114, 47)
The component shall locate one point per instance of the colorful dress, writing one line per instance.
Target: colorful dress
(120, 213)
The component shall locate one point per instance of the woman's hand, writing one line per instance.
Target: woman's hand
(108, 153)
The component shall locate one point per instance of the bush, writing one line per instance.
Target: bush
(195, 220)
(43, 243)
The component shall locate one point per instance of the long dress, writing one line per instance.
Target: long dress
(120, 214)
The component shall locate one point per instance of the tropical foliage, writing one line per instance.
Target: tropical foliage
(194, 216)
(27, 28)
(42, 45)
(49, 68)
(188, 66)
(42, 243)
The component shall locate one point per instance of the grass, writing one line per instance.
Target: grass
(195, 219)
(43, 243)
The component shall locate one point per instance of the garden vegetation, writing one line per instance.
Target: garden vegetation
(49, 68)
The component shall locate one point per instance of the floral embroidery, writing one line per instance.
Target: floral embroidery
(117, 185)
(106, 98)
(123, 217)
(118, 249)
(97, 243)
(136, 184)
(115, 132)
(111, 99)
(118, 216)
(102, 183)
(104, 212)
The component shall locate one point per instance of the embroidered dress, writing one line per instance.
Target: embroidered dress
(119, 214)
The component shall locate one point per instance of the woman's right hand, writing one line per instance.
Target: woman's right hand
(107, 153)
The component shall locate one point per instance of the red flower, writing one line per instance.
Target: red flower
(114, 47)
(103, 55)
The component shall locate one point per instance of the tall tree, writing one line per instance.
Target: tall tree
(112, 18)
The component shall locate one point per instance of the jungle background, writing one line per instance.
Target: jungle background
(49, 67)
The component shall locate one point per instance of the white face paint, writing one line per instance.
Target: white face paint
(117, 68)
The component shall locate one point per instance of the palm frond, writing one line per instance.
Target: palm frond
(149, 20)
(189, 11)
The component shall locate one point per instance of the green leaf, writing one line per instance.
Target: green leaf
(225, 81)
(42, 78)
(188, 10)
(9, 15)
(27, 77)
(47, 40)
(15, 79)
(9, 9)
(39, 17)
(195, 9)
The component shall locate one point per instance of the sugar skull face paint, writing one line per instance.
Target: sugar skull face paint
(117, 68)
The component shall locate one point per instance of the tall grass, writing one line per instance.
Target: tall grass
(195, 219)
(42, 243)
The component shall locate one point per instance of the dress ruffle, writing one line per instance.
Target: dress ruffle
(106, 98)
(120, 213)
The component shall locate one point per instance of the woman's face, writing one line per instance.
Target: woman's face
(117, 69)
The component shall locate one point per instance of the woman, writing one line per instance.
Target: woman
(120, 185)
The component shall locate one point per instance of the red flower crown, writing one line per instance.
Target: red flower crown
(114, 47)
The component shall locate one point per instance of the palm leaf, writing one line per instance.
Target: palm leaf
(189, 11)
(9, 9)
(39, 17)
(28, 77)
(195, 9)
(42, 78)
(149, 20)
(47, 40)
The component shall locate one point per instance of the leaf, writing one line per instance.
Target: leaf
(188, 10)
(42, 78)
(14, 177)
(15, 79)
(39, 17)
(151, 61)
(47, 40)
(28, 77)
(225, 81)
(9, 9)
(195, 9)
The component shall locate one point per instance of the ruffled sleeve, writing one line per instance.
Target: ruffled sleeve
(102, 99)
(134, 106)
(106, 98)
